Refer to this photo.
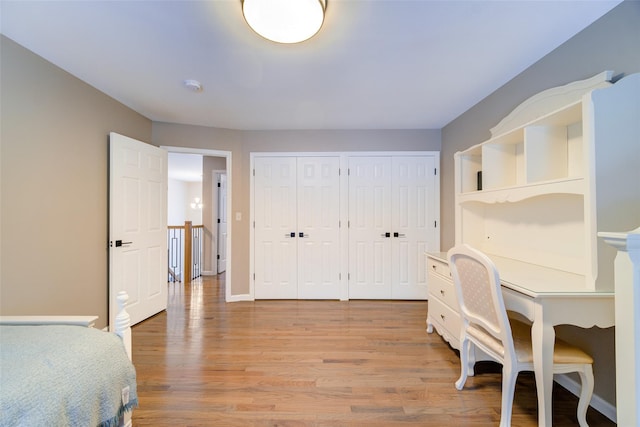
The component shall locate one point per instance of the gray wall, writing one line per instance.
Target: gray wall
(611, 43)
(53, 198)
(242, 143)
(54, 168)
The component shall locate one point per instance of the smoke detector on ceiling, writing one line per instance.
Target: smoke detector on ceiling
(193, 85)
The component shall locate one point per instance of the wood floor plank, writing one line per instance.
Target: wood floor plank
(205, 362)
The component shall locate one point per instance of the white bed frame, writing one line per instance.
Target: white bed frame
(121, 328)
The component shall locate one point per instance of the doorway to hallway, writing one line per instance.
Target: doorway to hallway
(214, 209)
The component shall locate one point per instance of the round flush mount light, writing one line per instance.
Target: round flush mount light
(284, 21)
(193, 85)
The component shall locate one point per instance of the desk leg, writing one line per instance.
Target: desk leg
(543, 340)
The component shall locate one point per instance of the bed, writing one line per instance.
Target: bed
(60, 371)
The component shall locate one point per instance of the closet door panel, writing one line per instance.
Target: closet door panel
(390, 224)
(318, 207)
(275, 220)
(369, 226)
(412, 223)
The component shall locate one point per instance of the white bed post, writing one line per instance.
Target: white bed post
(123, 322)
(627, 302)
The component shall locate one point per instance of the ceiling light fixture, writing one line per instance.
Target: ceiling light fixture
(284, 21)
(196, 204)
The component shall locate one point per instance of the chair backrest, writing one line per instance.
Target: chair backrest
(479, 294)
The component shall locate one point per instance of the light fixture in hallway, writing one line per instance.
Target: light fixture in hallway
(196, 204)
(284, 21)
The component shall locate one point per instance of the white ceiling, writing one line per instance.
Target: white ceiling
(375, 64)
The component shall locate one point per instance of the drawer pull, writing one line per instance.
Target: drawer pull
(442, 317)
(442, 292)
(433, 266)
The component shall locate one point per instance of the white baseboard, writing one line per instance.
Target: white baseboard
(208, 273)
(597, 403)
(241, 297)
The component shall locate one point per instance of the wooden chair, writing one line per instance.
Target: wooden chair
(485, 325)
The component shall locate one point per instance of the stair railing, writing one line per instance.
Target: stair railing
(184, 265)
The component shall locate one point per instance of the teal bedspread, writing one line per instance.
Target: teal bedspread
(64, 376)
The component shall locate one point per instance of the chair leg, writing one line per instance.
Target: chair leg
(471, 361)
(586, 392)
(465, 347)
(509, 377)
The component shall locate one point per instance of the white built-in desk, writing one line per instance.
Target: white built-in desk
(557, 169)
(546, 297)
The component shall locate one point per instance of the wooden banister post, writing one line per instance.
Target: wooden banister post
(187, 252)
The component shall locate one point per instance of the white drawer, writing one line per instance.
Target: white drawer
(438, 267)
(443, 289)
(446, 320)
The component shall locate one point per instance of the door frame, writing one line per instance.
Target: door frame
(215, 195)
(344, 204)
(227, 156)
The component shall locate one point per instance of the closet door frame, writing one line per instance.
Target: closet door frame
(344, 206)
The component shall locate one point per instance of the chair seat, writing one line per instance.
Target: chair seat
(563, 352)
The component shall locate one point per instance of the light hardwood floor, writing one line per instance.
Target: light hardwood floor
(205, 362)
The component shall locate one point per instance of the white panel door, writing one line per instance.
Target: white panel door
(370, 227)
(137, 227)
(275, 216)
(318, 219)
(222, 223)
(413, 224)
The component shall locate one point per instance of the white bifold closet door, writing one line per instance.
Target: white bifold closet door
(392, 212)
(296, 236)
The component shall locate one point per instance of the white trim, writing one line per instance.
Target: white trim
(216, 196)
(241, 297)
(251, 295)
(228, 158)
